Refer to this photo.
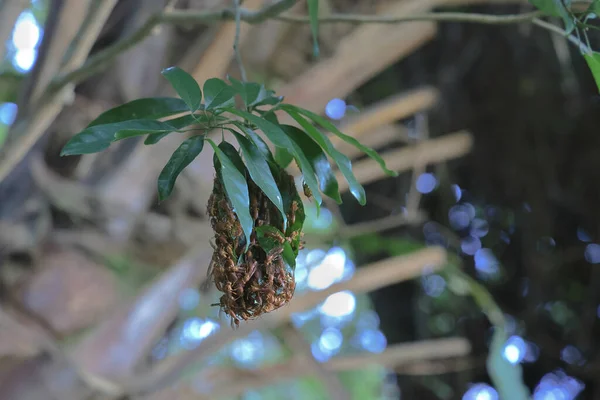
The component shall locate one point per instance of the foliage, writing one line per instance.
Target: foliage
(255, 209)
(576, 20)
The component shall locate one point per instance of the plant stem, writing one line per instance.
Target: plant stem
(236, 41)
(273, 11)
(553, 28)
(433, 16)
(176, 17)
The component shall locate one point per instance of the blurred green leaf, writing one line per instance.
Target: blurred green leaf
(185, 85)
(10, 82)
(236, 186)
(3, 133)
(181, 158)
(279, 138)
(149, 108)
(547, 6)
(327, 182)
(99, 137)
(325, 124)
(260, 172)
(556, 8)
(507, 377)
(218, 94)
(593, 62)
(313, 13)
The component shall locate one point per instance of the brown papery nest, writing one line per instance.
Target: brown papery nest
(253, 281)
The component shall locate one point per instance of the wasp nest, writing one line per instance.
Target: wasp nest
(257, 280)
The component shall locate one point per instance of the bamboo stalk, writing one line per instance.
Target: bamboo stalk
(386, 111)
(431, 151)
(307, 363)
(371, 277)
(229, 382)
(377, 138)
(9, 13)
(116, 347)
(361, 55)
(71, 17)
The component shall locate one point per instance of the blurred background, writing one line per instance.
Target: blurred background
(472, 275)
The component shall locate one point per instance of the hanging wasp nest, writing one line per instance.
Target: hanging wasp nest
(257, 280)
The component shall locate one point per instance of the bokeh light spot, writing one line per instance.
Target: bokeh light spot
(339, 304)
(335, 109)
(426, 183)
(481, 391)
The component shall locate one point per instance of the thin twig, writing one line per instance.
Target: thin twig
(553, 28)
(273, 11)
(433, 16)
(175, 17)
(236, 41)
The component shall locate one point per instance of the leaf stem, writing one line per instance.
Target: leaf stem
(556, 29)
(236, 41)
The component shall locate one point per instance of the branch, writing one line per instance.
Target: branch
(176, 17)
(273, 11)
(433, 16)
(553, 28)
(236, 42)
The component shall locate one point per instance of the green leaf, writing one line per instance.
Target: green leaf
(260, 172)
(325, 124)
(327, 182)
(233, 155)
(218, 94)
(593, 61)
(547, 6)
(279, 138)
(236, 188)
(267, 237)
(269, 100)
(269, 116)
(144, 127)
(313, 13)
(185, 85)
(99, 137)
(150, 108)
(258, 142)
(556, 8)
(283, 157)
(594, 7)
(181, 158)
(154, 138)
(250, 92)
(344, 164)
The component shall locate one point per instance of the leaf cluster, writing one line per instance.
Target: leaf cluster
(575, 15)
(198, 111)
